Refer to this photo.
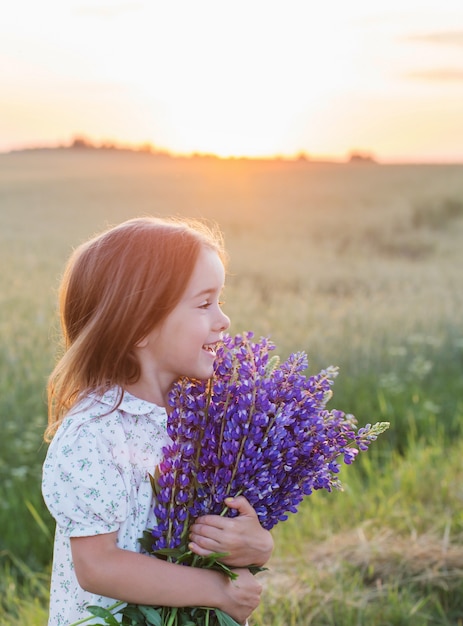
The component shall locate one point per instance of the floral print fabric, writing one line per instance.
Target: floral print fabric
(95, 481)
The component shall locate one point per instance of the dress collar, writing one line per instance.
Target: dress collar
(131, 404)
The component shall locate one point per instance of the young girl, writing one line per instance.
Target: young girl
(139, 308)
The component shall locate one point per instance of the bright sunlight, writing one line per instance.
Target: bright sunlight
(256, 78)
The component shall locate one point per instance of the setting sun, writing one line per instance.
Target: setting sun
(251, 78)
(246, 91)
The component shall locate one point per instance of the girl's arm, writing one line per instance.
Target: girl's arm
(242, 537)
(104, 569)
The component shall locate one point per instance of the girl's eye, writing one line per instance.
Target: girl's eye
(208, 303)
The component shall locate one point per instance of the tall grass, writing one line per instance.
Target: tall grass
(358, 265)
(387, 550)
(23, 593)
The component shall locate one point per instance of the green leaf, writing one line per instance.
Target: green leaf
(256, 569)
(153, 616)
(218, 566)
(173, 553)
(146, 541)
(154, 480)
(132, 616)
(224, 619)
(38, 519)
(99, 611)
(108, 617)
(210, 559)
(188, 557)
(185, 619)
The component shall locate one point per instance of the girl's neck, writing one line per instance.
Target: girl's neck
(148, 393)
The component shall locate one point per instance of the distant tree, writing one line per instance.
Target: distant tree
(361, 157)
(108, 145)
(80, 142)
(146, 147)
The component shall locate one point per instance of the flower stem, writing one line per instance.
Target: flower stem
(173, 616)
(111, 608)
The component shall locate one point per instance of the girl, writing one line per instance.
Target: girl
(139, 308)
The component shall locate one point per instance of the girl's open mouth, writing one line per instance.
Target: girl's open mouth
(211, 348)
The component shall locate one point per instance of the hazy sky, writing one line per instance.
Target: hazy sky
(241, 77)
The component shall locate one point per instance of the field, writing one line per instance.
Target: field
(358, 264)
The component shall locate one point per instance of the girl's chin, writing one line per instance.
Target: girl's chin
(204, 367)
(206, 372)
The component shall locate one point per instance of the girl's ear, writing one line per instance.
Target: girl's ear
(142, 343)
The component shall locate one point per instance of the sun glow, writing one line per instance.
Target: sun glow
(246, 90)
(246, 78)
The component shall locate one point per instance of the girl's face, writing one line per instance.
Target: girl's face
(184, 343)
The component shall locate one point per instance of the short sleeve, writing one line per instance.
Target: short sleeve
(83, 485)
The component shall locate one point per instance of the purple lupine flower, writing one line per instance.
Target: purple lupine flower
(257, 428)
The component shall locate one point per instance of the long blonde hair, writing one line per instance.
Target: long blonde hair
(115, 289)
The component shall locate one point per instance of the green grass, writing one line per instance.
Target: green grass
(387, 550)
(359, 266)
(23, 593)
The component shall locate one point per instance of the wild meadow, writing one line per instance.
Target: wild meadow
(358, 264)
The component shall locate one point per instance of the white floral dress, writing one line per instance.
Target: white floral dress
(96, 481)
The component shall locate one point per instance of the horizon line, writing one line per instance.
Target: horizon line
(82, 142)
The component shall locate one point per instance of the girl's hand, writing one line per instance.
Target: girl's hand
(241, 596)
(242, 537)
(105, 569)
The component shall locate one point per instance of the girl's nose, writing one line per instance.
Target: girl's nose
(224, 322)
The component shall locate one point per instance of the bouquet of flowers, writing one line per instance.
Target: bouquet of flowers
(259, 428)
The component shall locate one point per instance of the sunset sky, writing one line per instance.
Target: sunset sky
(248, 77)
